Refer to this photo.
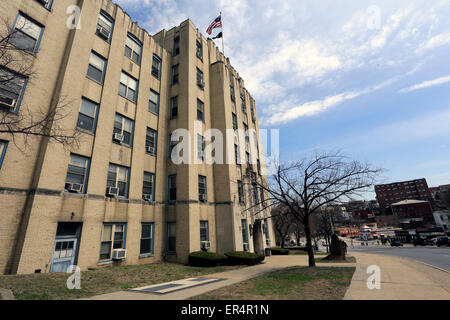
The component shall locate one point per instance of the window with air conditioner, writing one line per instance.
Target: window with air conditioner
(202, 191)
(113, 237)
(117, 180)
(12, 86)
(87, 116)
(201, 146)
(147, 244)
(150, 141)
(153, 102)
(128, 87)
(76, 178)
(123, 130)
(26, 34)
(133, 49)
(148, 186)
(104, 26)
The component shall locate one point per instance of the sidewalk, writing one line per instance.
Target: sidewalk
(270, 264)
(401, 279)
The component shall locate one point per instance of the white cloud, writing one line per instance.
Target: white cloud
(426, 84)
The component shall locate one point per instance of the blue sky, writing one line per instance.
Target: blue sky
(369, 78)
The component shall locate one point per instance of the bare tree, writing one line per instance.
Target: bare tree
(281, 222)
(307, 185)
(33, 119)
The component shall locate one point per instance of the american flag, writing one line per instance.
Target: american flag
(217, 23)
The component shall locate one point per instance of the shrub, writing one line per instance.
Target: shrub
(279, 251)
(242, 257)
(207, 259)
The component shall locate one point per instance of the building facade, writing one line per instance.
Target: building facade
(388, 194)
(117, 196)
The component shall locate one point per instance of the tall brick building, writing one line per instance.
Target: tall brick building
(388, 194)
(118, 192)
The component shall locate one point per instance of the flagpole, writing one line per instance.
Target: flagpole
(221, 29)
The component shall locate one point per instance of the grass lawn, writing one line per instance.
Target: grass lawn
(52, 286)
(295, 283)
(347, 260)
(304, 253)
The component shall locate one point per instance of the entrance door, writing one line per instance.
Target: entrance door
(65, 250)
(63, 254)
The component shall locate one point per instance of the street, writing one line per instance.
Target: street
(438, 257)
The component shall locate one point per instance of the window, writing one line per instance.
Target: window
(47, 4)
(235, 125)
(156, 66)
(147, 232)
(3, 146)
(204, 231)
(128, 87)
(148, 193)
(87, 116)
(244, 233)
(104, 26)
(266, 228)
(240, 192)
(12, 87)
(118, 178)
(261, 190)
(113, 237)
(200, 110)
(172, 188)
(174, 74)
(77, 173)
(133, 49)
(201, 145)
(247, 138)
(202, 187)
(171, 237)
(172, 145)
(150, 141)
(176, 46)
(96, 68)
(255, 194)
(232, 92)
(258, 166)
(26, 34)
(252, 111)
(255, 139)
(247, 157)
(199, 50)
(123, 130)
(237, 154)
(200, 81)
(244, 107)
(153, 102)
(173, 107)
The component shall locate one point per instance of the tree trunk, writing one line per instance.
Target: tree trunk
(311, 261)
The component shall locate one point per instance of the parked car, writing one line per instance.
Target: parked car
(419, 242)
(430, 242)
(443, 241)
(396, 243)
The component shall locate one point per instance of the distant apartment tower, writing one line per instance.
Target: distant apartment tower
(388, 194)
(118, 197)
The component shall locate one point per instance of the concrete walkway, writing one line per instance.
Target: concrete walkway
(270, 264)
(401, 279)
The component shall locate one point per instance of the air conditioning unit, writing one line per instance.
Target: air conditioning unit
(119, 254)
(201, 83)
(268, 242)
(205, 245)
(203, 197)
(74, 187)
(112, 191)
(7, 102)
(118, 137)
(147, 197)
(103, 32)
(151, 149)
(246, 248)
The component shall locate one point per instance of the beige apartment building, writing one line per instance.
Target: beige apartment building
(117, 197)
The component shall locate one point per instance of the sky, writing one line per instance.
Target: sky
(368, 78)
